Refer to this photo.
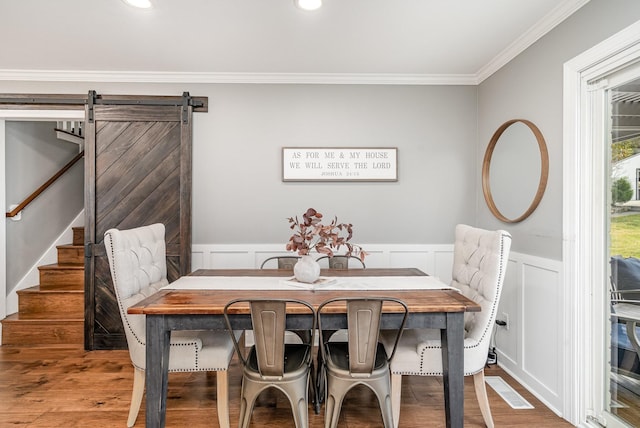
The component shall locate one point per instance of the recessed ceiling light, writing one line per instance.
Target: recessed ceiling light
(142, 4)
(308, 4)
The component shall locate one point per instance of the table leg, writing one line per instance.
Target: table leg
(453, 368)
(320, 376)
(157, 371)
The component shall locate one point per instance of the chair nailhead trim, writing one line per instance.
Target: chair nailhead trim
(493, 310)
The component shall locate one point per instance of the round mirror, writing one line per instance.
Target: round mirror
(515, 170)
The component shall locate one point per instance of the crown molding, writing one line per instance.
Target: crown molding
(546, 24)
(258, 78)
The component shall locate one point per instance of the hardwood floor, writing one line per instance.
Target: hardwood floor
(68, 387)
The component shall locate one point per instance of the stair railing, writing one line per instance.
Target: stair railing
(71, 131)
(70, 126)
(44, 187)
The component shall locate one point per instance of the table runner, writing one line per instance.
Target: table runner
(325, 283)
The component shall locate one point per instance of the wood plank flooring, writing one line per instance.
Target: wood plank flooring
(68, 387)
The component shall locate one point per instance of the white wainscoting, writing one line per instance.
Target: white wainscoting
(529, 348)
(433, 259)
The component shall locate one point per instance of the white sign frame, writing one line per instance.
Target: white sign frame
(339, 164)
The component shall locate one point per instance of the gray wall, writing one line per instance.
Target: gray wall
(441, 133)
(238, 194)
(33, 155)
(530, 87)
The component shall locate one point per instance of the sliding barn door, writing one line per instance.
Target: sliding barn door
(138, 172)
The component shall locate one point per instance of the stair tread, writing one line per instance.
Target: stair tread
(56, 266)
(70, 246)
(37, 289)
(71, 285)
(50, 319)
(56, 346)
(15, 317)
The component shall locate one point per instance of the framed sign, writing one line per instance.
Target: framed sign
(339, 164)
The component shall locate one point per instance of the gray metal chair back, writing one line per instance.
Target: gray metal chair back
(362, 360)
(284, 262)
(271, 362)
(341, 262)
(364, 316)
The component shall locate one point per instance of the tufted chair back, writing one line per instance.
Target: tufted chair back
(138, 269)
(479, 264)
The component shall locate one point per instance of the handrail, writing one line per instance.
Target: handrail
(42, 188)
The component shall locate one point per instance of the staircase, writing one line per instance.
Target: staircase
(52, 313)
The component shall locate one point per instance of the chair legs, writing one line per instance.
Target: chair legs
(295, 390)
(332, 406)
(222, 388)
(337, 388)
(483, 400)
(299, 403)
(247, 400)
(136, 396)
(384, 398)
(331, 412)
(478, 383)
(396, 392)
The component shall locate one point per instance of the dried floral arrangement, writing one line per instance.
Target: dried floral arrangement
(310, 234)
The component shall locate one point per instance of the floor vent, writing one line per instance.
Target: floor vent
(507, 393)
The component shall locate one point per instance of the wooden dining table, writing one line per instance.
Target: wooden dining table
(202, 309)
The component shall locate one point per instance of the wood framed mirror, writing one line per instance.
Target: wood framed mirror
(515, 170)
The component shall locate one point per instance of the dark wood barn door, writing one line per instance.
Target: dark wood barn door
(138, 172)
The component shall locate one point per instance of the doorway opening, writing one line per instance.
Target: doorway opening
(622, 400)
(8, 120)
(589, 79)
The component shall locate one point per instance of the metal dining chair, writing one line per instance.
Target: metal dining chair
(284, 262)
(362, 360)
(342, 261)
(272, 363)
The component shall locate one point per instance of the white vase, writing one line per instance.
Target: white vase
(307, 269)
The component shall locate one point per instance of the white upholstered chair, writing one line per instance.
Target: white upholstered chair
(139, 269)
(479, 263)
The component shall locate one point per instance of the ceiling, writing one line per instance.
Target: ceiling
(378, 41)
